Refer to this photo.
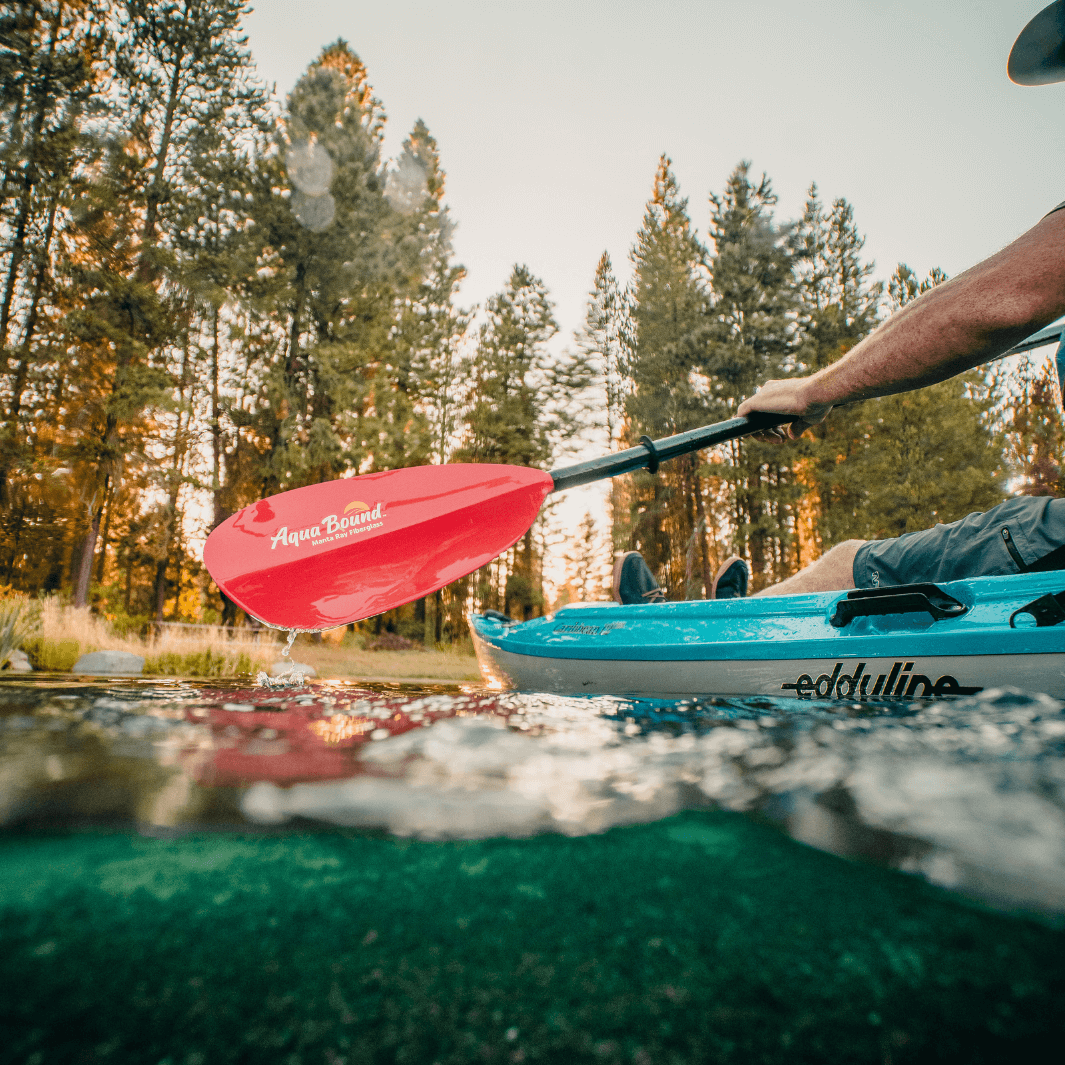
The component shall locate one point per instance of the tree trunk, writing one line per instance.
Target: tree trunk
(218, 515)
(22, 372)
(15, 120)
(429, 629)
(129, 580)
(155, 193)
(700, 510)
(159, 590)
(88, 549)
(18, 244)
(15, 536)
(100, 566)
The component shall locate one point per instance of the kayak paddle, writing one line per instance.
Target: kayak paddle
(332, 553)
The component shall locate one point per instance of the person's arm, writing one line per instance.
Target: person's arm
(962, 323)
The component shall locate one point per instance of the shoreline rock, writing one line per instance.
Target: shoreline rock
(18, 662)
(110, 663)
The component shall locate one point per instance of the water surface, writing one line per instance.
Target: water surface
(968, 792)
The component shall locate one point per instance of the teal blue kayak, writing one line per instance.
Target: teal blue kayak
(955, 638)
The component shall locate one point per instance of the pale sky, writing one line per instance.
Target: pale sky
(550, 117)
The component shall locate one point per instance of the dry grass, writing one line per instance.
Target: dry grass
(65, 634)
(345, 659)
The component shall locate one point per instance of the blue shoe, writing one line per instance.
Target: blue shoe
(731, 580)
(634, 582)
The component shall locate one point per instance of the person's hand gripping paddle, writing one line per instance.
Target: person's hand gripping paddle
(328, 554)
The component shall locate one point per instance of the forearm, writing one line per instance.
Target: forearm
(960, 324)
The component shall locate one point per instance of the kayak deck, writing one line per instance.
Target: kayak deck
(954, 638)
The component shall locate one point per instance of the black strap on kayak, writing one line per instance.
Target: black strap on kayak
(897, 599)
(652, 465)
(1047, 610)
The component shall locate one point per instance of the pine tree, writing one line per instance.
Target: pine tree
(839, 305)
(925, 457)
(326, 275)
(607, 342)
(586, 562)
(519, 410)
(1027, 410)
(510, 419)
(667, 394)
(751, 337)
(415, 387)
(52, 65)
(172, 60)
(212, 254)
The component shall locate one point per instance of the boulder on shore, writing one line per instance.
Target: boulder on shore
(109, 662)
(285, 666)
(18, 662)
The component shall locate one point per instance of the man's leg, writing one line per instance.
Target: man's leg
(833, 571)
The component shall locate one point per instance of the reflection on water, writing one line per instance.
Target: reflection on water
(968, 792)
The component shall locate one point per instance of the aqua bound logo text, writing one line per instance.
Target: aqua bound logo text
(357, 518)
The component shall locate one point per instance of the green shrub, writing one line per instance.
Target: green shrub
(123, 624)
(53, 656)
(198, 664)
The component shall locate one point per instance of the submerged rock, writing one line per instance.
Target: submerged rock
(109, 662)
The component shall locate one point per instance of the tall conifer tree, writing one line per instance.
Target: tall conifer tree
(839, 305)
(415, 391)
(670, 303)
(327, 274)
(518, 411)
(607, 341)
(925, 457)
(172, 59)
(751, 338)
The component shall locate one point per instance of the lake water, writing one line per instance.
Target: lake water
(967, 793)
(196, 873)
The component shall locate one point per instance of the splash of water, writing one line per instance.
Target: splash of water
(291, 677)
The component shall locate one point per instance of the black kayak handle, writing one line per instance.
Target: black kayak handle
(901, 599)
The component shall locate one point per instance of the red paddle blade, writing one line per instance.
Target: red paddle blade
(327, 554)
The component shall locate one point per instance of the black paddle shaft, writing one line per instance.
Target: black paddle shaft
(651, 452)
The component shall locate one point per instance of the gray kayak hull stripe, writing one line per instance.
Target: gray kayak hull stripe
(824, 678)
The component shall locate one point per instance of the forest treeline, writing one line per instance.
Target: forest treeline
(207, 296)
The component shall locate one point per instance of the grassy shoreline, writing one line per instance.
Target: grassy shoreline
(58, 635)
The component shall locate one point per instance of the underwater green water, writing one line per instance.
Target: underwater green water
(130, 933)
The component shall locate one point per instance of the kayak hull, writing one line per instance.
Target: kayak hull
(782, 646)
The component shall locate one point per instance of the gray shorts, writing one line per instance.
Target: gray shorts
(1013, 537)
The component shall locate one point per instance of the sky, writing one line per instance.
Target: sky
(550, 118)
